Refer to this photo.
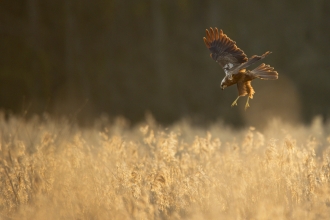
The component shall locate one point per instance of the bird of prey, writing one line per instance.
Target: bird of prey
(234, 62)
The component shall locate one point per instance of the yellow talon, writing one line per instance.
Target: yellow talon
(247, 103)
(235, 102)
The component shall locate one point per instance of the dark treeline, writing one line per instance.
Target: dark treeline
(127, 58)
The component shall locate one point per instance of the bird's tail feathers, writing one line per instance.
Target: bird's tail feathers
(265, 72)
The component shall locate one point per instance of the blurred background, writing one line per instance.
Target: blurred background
(128, 58)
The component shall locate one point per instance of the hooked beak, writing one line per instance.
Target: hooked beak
(223, 87)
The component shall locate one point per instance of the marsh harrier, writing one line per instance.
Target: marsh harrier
(234, 62)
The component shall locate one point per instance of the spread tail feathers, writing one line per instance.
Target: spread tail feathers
(265, 72)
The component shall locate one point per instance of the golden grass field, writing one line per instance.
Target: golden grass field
(56, 170)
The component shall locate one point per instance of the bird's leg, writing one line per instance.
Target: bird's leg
(235, 102)
(247, 103)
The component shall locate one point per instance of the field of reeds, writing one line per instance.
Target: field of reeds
(53, 169)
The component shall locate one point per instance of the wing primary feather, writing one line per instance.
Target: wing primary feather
(205, 41)
(212, 34)
(216, 34)
(208, 35)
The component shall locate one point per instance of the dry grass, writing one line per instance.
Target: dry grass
(54, 170)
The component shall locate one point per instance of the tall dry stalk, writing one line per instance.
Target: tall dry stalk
(51, 170)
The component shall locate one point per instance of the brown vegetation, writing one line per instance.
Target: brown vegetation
(55, 170)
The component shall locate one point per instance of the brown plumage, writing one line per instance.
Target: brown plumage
(234, 62)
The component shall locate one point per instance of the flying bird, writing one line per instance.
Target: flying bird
(234, 62)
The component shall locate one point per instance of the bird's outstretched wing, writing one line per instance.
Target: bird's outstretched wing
(224, 50)
(253, 59)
